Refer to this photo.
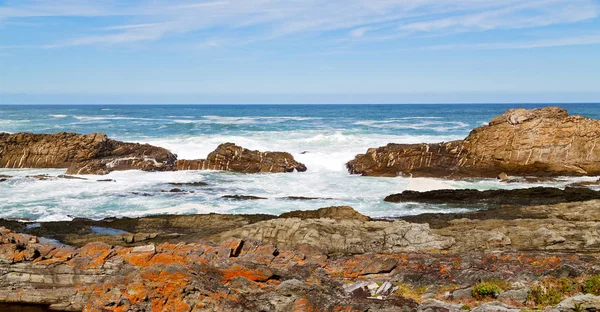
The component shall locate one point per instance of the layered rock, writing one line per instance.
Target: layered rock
(230, 157)
(81, 154)
(245, 275)
(343, 236)
(96, 154)
(567, 227)
(541, 142)
(497, 198)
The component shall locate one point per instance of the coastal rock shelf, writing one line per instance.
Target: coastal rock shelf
(237, 274)
(96, 154)
(538, 142)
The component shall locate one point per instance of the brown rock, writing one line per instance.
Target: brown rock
(81, 154)
(230, 157)
(537, 142)
(336, 213)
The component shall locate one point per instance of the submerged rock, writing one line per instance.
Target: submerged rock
(188, 183)
(537, 142)
(243, 197)
(496, 198)
(68, 177)
(230, 157)
(81, 154)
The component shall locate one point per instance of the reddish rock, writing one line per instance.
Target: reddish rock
(242, 275)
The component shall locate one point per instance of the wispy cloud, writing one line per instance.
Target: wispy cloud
(260, 20)
(544, 43)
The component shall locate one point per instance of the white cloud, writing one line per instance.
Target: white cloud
(270, 19)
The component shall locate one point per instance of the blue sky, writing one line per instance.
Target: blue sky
(299, 51)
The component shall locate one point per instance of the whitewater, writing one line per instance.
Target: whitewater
(323, 137)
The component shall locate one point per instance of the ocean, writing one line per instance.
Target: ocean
(323, 137)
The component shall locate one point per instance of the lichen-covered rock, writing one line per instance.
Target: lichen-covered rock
(81, 154)
(230, 157)
(539, 142)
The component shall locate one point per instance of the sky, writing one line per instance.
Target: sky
(299, 51)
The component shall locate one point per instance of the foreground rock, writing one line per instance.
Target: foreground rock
(497, 198)
(246, 275)
(81, 154)
(538, 142)
(230, 157)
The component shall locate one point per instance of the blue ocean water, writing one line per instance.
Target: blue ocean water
(324, 137)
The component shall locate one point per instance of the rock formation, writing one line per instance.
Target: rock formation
(307, 264)
(96, 154)
(81, 154)
(497, 198)
(540, 142)
(230, 157)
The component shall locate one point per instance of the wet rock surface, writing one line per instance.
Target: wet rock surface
(537, 142)
(81, 154)
(230, 157)
(497, 198)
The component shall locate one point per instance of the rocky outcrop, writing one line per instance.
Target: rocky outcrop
(497, 198)
(96, 154)
(539, 142)
(230, 157)
(81, 154)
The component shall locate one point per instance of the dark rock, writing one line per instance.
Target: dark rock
(188, 183)
(106, 180)
(141, 194)
(175, 190)
(337, 213)
(538, 142)
(243, 197)
(41, 177)
(230, 157)
(303, 198)
(3, 176)
(68, 177)
(496, 198)
(3, 180)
